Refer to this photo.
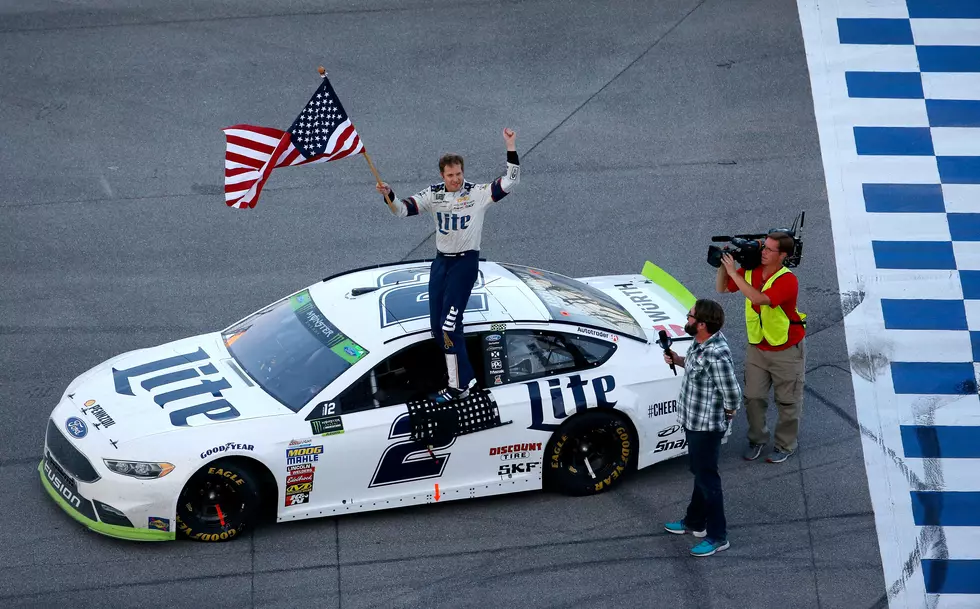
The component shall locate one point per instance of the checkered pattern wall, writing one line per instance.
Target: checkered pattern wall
(897, 95)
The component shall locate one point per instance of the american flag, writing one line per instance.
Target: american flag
(322, 132)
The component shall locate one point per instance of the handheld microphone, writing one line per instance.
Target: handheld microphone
(665, 343)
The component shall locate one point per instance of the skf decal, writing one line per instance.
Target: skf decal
(508, 470)
(598, 397)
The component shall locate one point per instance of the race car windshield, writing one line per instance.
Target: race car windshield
(577, 302)
(292, 350)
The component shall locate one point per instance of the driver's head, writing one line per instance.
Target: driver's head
(451, 169)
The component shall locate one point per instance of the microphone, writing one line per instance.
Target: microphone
(665, 343)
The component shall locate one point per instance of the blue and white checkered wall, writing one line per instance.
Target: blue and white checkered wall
(897, 95)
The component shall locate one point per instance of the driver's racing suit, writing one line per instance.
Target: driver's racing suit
(459, 229)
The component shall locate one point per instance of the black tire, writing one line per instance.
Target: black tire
(219, 502)
(605, 438)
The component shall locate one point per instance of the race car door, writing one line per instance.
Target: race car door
(374, 463)
(551, 375)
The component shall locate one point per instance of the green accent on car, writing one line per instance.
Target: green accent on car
(110, 530)
(675, 288)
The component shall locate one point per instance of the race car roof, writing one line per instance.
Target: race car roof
(377, 304)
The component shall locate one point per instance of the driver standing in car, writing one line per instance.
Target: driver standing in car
(458, 208)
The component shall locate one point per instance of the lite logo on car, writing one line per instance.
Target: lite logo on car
(600, 387)
(215, 410)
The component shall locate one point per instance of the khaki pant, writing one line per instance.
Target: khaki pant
(783, 372)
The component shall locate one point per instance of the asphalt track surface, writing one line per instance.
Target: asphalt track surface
(644, 128)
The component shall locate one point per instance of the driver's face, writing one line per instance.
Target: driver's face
(452, 175)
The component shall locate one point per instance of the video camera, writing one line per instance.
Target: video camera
(747, 250)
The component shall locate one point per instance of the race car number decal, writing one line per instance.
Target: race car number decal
(408, 297)
(408, 460)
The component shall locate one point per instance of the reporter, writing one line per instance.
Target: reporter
(708, 400)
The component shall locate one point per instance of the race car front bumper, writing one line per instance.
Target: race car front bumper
(83, 510)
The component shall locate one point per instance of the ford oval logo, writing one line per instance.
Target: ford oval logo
(76, 427)
(669, 431)
(493, 337)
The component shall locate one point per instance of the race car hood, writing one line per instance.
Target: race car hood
(187, 383)
(651, 304)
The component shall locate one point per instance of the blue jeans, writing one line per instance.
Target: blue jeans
(451, 280)
(707, 507)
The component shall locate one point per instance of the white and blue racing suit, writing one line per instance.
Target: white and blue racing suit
(459, 229)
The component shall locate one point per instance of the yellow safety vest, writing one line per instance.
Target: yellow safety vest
(770, 323)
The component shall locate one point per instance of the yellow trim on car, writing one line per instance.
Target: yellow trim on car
(111, 530)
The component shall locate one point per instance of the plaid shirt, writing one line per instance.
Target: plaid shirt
(709, 386)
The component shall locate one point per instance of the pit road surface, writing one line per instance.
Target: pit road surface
(644, 128)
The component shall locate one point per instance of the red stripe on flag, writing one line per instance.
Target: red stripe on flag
(293, 154)
(269, 166)
(237, 171)
(250, 144)
(243, 160)
(240, 186)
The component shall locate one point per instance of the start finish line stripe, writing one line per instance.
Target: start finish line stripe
(941, 442)
(951, 576)
(932, 378)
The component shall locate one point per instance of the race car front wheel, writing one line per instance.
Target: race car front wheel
(218, 502)
(590, 453)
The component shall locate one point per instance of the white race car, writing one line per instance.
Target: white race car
(316, 405)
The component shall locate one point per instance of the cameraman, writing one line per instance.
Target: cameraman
(775, 355)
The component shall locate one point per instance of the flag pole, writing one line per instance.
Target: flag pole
(367, 157)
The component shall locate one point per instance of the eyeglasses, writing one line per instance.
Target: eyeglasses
(689, 316)
(769, 249)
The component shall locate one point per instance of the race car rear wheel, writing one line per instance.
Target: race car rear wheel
(590, 453)
(219, 502)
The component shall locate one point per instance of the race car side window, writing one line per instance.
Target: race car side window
(532, 354)
(409, 374)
